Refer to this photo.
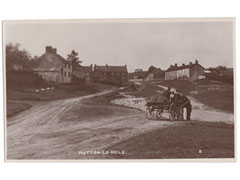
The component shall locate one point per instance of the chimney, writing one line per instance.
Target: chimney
(176, 64)
(48, 49)
(106, 65)
(190, 63)
(183, 64)
(91, 67)
(196, 61)
(170, 65)
(54, 50)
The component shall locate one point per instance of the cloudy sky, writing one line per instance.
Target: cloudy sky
(137, 44)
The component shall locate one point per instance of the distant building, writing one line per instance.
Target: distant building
(88, 72)
(220, 73)
(110, 74)
(226, 72)
(192, 72)
(155, 74)
(53, 67)
(82, 74)
(137, 75)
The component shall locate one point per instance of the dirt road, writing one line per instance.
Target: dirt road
(41, 132)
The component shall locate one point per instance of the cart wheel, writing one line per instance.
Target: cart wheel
(159, 113)
(149, 115)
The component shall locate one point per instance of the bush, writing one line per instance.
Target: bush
(21, 79)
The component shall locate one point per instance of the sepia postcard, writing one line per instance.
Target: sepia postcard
(119, 89)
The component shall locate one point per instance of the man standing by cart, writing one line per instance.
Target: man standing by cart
(167, 93)
(186, 104)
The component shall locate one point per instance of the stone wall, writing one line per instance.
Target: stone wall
(50, 76)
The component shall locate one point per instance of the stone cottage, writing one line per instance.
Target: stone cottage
(53, 67)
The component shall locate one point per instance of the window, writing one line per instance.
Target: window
(69, 74)
(65, 65)
(69, 66)
(65, 74)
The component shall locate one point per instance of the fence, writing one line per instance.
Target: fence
(213, 87)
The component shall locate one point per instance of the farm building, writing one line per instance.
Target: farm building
(53, 67)
(137, 75)
(192, 72)
(220, 73)
(155, 74)
(110, 74)
(88, 72)
(82, 74)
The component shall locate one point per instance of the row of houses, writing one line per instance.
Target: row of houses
(55, 69)
(191, 72)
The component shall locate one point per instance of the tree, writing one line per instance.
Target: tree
(151, 69)
(74, 58)
(17, 59)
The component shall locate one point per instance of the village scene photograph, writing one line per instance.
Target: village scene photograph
(123, 89)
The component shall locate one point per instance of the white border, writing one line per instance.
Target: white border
(29, 9)
(64, 21)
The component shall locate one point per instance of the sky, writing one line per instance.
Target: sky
(138, 44)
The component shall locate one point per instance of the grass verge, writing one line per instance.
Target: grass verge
(189, 140)
(221, 100)
(16, 107)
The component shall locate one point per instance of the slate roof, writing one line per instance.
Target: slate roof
(87, 69)
(111, 68)
(50, 62)
(175, 68)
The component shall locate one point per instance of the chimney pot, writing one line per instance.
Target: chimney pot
(190, 63)
(176, 64)
(54, 50)
(183, 64)
(196, 61)
(48, 49)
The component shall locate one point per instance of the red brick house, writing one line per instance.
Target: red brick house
(82, 74)
(110, 74)
(88, 72)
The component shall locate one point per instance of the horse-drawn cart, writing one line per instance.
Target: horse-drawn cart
(155, 110)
